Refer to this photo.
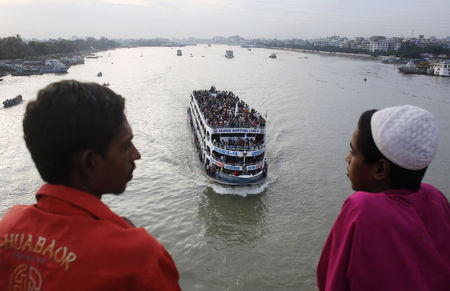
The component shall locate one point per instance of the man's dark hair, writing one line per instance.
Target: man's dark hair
(68, 117)
(401, 178)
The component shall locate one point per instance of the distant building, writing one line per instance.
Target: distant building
(395, 43)
(378, 43)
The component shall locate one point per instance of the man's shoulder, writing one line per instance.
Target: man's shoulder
(15, 212)
(136, 238)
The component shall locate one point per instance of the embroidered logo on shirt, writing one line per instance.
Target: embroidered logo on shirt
(25, 278)
(25, 246)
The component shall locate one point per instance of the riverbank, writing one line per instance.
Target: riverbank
(32, 65)
(328, 53)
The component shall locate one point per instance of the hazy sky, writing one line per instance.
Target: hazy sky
(208, 18)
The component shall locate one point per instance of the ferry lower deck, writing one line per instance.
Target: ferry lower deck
(231, 155)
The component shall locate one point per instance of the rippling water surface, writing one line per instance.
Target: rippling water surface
(266, 237)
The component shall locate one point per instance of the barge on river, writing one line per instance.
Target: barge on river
(229, 136)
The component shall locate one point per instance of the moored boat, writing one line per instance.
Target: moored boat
(54, 66)
(91, 56)
(442, 69)
(229, 136)
(76, 60)
(411, 68)
(27, 71)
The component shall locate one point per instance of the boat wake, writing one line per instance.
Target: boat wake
(242, 191)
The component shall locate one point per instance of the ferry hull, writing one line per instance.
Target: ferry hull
(239, 180)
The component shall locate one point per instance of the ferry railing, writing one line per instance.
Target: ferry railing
(236, 164)
(238, 148)
(239, 125)
(239, 164)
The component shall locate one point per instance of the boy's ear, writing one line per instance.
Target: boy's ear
(383, 169)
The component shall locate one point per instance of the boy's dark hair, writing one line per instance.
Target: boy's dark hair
(67, 117)
(400, 178)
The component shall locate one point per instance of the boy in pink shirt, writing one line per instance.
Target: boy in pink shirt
(394, 232)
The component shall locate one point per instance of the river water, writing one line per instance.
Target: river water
(266, 237)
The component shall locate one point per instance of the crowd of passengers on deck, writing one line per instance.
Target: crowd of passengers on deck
(219, 110)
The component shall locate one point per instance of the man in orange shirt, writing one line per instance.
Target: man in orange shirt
(81, 144)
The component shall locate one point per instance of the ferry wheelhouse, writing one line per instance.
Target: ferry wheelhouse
(229, 136)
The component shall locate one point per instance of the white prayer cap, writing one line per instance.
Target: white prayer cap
(406, 135)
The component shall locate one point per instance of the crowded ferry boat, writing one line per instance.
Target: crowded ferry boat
(229, 136)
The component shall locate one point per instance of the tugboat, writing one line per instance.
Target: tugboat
(13, 101)
(411, 68)
(229, 136)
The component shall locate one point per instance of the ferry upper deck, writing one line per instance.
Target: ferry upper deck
(223, 109)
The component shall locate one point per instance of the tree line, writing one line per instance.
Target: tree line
(14, 47)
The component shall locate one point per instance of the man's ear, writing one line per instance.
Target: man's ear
(382, 170)
(85, 162)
